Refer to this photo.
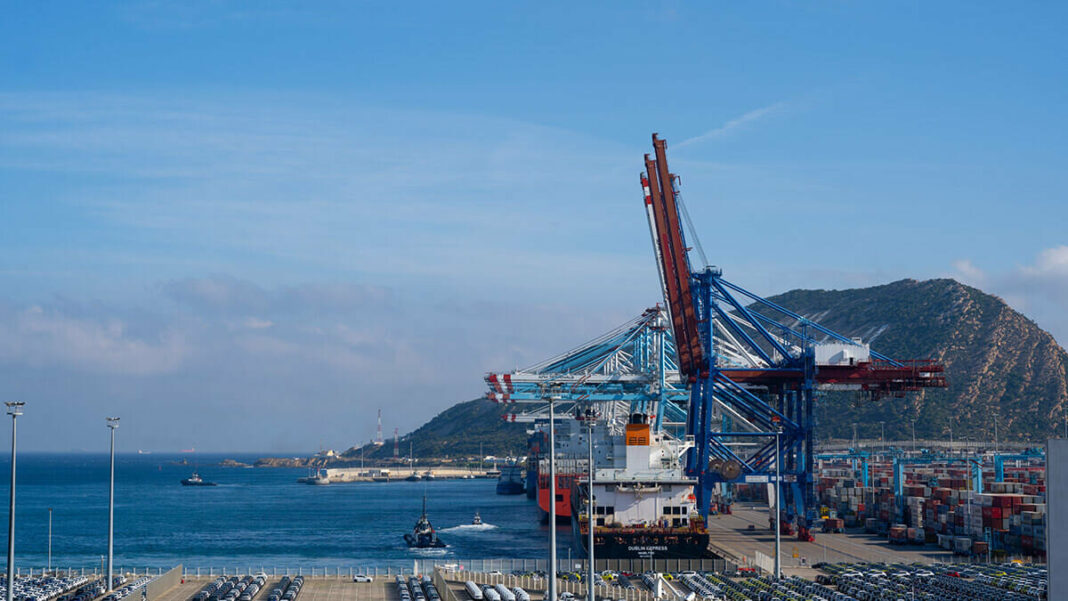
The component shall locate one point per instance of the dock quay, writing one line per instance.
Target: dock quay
(342, 475)
(668, 585)
(626, 580)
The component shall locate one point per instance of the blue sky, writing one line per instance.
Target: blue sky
(286, 215)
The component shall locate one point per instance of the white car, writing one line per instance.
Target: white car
(362, 578)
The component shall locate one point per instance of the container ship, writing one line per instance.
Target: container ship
(644, 505)
(537, 442)
(571, 464)
(568, 473)
(510, 482)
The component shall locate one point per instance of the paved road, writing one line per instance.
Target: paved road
(730, 534)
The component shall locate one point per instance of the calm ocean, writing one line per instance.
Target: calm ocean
(255, 517)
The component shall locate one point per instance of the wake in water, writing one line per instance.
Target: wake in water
(429, 552)
(469, 528)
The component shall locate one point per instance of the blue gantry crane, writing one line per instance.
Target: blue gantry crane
(631, 369)
(757, 362)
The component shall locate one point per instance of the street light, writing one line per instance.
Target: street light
(550, 398)
(14, 409)
(589, 517)
(49, 540)
(995, 433)
(113, 422)
(778, 502)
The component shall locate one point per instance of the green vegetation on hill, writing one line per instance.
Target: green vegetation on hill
(458, 432)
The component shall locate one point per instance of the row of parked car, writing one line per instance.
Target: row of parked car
(287, 590)
(127, 587)
(88, 591)
(403, 591)
(235, 588)
(42, 588)
(978, 582)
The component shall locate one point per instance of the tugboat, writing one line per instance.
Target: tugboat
(195, 480)
(478, 519)
(423, 535)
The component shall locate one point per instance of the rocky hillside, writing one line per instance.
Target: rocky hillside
(997, 361)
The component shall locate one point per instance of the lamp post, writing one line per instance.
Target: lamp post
(14, 409)
(552, 497)
(113, 423)
(589, 515)
(49, 540)
(854, 436)
(995, 433)
(778, 501)
(882, 433)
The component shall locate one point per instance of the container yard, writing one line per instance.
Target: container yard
(985, 505)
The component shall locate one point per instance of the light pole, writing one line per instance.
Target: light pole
(778, 501)
(882, 433)
(589, 515)
(995, 433)
(913, 436)
(49, 540)
(552, 498)
(14, 409)
(113, 422)
(854, 436)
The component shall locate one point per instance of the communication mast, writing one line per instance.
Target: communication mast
(378, 436)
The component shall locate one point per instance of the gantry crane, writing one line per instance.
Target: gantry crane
(630, 369)
(755, 362)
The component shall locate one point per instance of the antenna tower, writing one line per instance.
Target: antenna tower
(378, 436)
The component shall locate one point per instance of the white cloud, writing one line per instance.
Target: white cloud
(736, 123)
(1039, 290)
(39, 336)
(305, 360)
(967, 272)
(1051, 263)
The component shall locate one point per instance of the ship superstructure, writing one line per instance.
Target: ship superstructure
(644, 504)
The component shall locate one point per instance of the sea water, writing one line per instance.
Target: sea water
(260, 517)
